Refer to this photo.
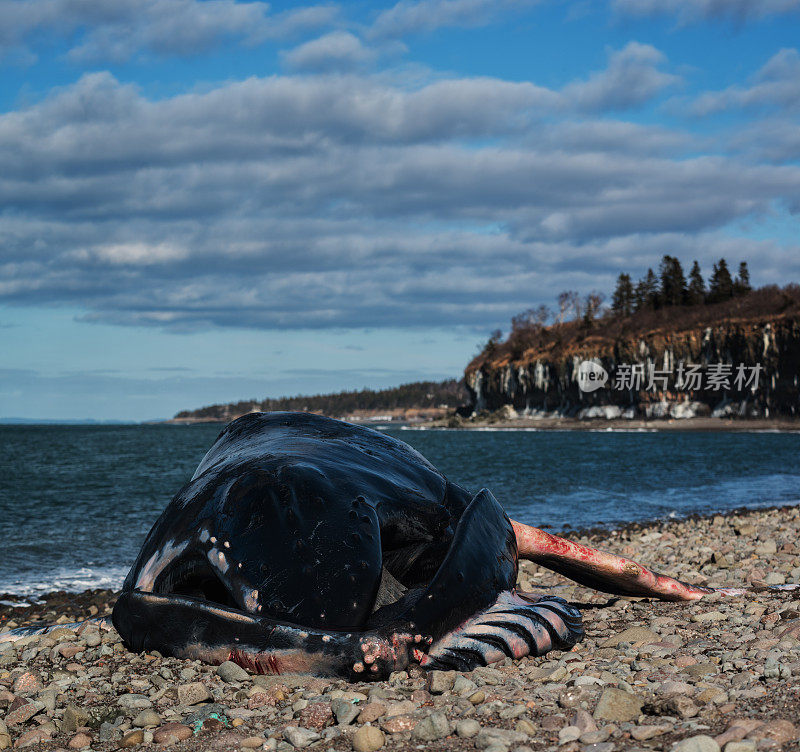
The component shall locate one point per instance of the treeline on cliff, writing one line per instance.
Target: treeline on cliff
(664, 302)
(419, 394)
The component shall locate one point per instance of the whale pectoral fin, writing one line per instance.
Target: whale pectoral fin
(514, 626)
(598, 569)
(192, 628)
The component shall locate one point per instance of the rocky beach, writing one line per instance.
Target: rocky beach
(717, 674)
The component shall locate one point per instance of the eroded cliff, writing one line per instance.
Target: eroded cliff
(747, 367)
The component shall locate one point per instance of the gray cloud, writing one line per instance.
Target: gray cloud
(335, 201)
(776, 84)
(693, 10)
(631, 79)
(335, 51)
(101, 30)
(411, 17)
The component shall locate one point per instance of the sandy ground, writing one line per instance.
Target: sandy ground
(720, 673)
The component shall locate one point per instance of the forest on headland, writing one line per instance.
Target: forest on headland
(418, 395)
(667, 300)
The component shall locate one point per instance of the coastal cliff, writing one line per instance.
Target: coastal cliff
(748, 366)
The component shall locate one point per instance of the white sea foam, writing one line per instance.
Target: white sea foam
(71, 580)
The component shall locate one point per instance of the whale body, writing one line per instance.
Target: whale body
(307, 544)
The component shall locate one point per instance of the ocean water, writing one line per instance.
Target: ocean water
(77, 501)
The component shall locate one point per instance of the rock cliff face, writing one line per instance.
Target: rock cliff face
(746, 368)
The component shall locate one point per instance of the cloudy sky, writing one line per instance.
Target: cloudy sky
(209, 200)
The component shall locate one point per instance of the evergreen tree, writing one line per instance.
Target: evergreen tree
(623, 298)
(720, 286)
(647, 292)
(673, 282)
(741, 285)
(696, 292)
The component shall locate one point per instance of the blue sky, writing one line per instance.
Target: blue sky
(204, 201)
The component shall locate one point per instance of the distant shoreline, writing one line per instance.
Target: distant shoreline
(705, 424)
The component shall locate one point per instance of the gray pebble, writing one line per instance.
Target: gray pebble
(467, 728)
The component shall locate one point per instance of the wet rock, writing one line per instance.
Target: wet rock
(618, 705)
(435, 726)
(368, 739)
(171, 733)
(231, 672)
(193, 693)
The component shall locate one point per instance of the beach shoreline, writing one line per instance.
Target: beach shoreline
(647, 675)
(700, 424)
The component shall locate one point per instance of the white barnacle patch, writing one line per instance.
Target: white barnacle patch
(227, 544)
(217, 559)
(251, 600)
(204, 535)
(326, 638)
(156, 564)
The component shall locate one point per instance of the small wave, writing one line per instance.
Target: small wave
(71, 581)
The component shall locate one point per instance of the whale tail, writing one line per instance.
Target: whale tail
(515, 625)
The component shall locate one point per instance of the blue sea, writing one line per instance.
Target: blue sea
(77, 501)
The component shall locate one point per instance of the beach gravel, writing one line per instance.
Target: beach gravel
(716, 674)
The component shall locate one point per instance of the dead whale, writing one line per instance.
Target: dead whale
(306, 544)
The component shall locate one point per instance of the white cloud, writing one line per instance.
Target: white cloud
(631, 79)
(776, 84)
(694, 10)
(336, 51)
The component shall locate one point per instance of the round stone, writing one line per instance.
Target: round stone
(368, 739)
